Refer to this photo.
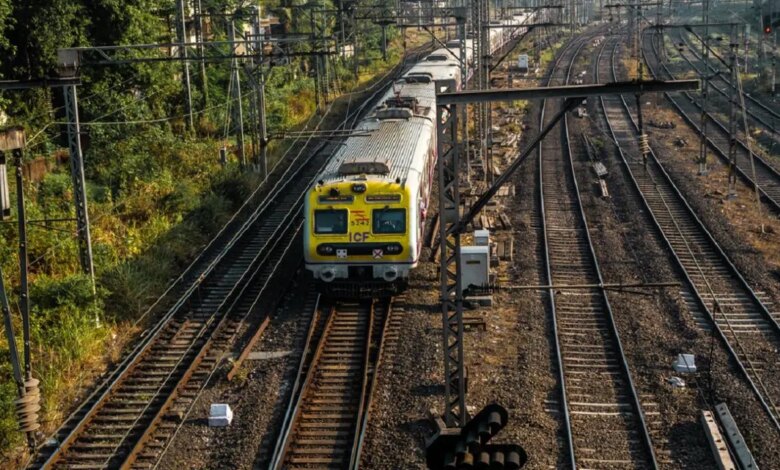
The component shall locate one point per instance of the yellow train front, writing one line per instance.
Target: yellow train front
(365, 213)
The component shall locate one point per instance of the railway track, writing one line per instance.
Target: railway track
(126, 419)
(762, 114)
(767, 177)
(718, 292)
(604, 423)
(328, 412)
(111, 428)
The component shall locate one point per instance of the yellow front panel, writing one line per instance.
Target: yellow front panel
(359, 206)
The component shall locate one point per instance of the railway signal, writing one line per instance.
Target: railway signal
(467, 447)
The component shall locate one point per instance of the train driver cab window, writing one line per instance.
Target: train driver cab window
(389, 220)
(330, 221)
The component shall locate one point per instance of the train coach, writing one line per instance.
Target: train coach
(366, 212)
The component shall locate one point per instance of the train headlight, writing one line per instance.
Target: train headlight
(358, 188)
(326, 250)
(394, 249)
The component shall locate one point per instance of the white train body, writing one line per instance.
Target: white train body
(366, 213)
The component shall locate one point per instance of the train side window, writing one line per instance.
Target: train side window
(389, 220)
(330, 221)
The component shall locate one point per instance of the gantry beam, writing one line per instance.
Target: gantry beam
(448, 111)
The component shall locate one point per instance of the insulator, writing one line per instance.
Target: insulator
(497, 459)
(27, 407)
(495, 422)
(466, 461)
(472, 438)
(484, 432)
(513, 460)
(644, 144)
(482, 460)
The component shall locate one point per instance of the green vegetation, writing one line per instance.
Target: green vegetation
(157, 193)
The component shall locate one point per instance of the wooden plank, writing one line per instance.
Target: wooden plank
(509, 245)
(720, 451)
(505, 221)
(248, 348)
(604, 189)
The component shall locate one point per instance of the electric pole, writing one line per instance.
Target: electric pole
(181, 29)
(237, 105)
(704, 89)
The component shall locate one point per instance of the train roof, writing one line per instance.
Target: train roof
(436, 71)
(396, 136)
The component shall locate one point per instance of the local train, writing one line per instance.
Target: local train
(366, 212)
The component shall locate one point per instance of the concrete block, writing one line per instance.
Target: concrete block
(220, 415)
(685, 363)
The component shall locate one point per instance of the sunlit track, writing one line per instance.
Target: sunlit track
(762, 113)
(760, 116)
(127, 411)
(687, 105)
(604, 423)
(742, 320)
(326, 422)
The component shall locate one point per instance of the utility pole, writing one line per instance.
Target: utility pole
(24, 290)
(704, 89)
(199, 38)
(68, 63)
(659, 37)
(732, 181)
(315, 58)
(262, 160)
(181, 28)
(238, 106)
(27, 405)
(461, 16)
(484, 72)
(79, 183)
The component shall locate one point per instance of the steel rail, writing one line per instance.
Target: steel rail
(548, 273)
(768, 176)
(296, 401)
(148, 336)
(363, 426)
(339, 422)
(297, 385)
(612, 331)
(142, 349)
(292, 241)
(751, 98)
(681, 202)
(206, 330)
(362, 411)
(732, 267)
(286, 231)
(717, 74)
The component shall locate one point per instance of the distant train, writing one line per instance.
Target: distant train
(366, 213)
